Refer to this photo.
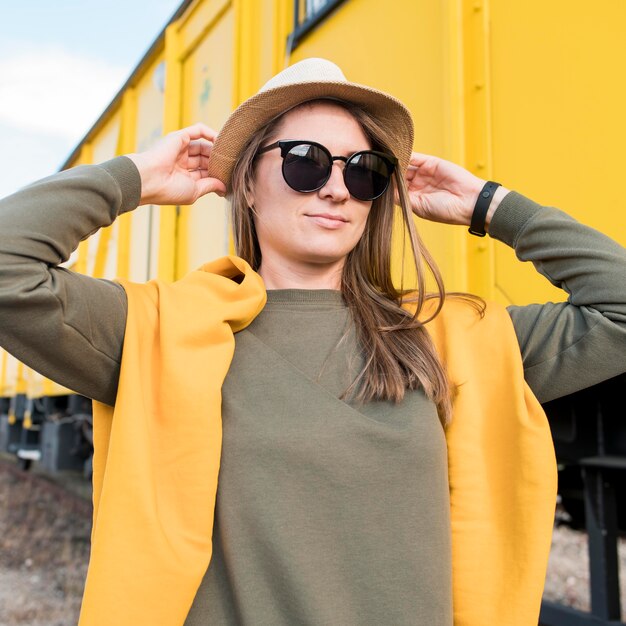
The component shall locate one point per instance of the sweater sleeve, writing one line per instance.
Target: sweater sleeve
(570, 345)
(65, 325)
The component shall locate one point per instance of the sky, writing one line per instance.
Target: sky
(61, 63)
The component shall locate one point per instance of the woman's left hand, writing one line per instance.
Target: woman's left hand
(442, 191)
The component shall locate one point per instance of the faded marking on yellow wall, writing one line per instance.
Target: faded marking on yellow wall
(171, 122)
(144, 246)
(208, 71)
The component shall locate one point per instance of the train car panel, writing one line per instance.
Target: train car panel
(407, 63)
(522, 94)
(37, 386)
(144, 237)
(8, 374)
(207, 79)
(199, 18)
(102, 246)
(558, 125)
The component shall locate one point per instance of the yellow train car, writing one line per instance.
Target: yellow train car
(520, 93)
(489, 83)
(525, 94)
(529, 94)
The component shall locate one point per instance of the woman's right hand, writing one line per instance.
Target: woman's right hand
(174, 170)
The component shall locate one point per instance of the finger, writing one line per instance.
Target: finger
(417, 159)
(411, 172)
(208, 185)
(200, 146)
(198, 162)
(198, 173)
(200, 131)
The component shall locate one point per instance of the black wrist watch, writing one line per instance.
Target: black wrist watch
(477, 225)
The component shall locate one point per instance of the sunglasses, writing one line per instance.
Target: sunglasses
(307, 166)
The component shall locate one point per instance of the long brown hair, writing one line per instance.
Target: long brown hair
(398, 351)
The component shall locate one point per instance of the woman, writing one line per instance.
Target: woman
(341, 497)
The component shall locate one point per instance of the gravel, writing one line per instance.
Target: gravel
(44, 551)
(567, 581)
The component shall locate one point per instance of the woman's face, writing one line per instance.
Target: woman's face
(317, 228)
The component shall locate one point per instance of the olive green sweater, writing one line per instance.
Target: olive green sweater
(70, 327)
(326, 512)
(316, 520)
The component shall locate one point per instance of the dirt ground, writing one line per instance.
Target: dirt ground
(567, 581)
(44, 549)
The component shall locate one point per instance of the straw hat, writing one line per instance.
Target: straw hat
(307, 80)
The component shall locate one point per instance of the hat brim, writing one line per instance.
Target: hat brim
(264, 106)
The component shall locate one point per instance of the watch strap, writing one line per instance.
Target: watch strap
(477, 224)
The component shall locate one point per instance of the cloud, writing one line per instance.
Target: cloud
(49, 90)
(26, 157)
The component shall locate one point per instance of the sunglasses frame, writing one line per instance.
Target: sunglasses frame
(286, 145)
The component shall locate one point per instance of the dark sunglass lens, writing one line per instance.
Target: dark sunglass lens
(367, 176)
(306, 167)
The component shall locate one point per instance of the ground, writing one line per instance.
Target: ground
(44, 550)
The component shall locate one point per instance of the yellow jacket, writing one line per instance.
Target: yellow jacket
(157, 456)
